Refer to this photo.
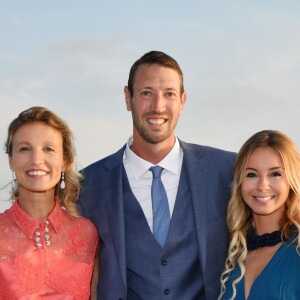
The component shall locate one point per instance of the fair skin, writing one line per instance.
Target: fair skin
(156, 105)
(265, 190)
(37, 160)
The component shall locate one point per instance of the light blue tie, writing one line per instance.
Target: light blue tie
(160, 207)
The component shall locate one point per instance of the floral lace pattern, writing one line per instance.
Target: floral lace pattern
(62, 270)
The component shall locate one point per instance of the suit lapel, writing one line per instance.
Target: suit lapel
(198, 184)
(115, 209)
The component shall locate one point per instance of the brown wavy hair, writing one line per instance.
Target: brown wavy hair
(72, 179)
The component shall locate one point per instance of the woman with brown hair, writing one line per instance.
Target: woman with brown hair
(47, 251)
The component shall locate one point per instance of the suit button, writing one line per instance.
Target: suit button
(167, 292)
(164, 263)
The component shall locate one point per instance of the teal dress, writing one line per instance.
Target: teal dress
(279, 280)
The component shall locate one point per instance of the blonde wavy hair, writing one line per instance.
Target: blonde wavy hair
(239, 216)
(72, 178)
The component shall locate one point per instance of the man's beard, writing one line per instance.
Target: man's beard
(151, 137)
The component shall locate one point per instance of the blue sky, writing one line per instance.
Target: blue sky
(241, 64)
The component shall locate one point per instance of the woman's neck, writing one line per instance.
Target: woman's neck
(37, 205)
(265, 224)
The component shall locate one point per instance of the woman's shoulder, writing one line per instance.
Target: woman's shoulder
(5, 218)
(82, 232)
(85, 225)
(289, 255)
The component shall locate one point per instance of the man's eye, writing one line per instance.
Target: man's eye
(146, 93)
(171, 94)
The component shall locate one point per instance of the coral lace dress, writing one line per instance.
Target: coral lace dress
(48, 260)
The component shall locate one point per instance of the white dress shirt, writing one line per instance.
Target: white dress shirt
(140, 178)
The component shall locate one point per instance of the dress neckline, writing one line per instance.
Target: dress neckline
(271, 262)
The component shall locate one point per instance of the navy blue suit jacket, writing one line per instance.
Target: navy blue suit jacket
(101, 200)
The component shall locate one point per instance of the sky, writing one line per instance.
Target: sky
(240, 59)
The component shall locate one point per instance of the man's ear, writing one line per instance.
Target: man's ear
(127, 98)
(182, 102)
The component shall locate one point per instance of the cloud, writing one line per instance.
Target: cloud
(241, 62)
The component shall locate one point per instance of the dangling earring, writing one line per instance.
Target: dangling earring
(14, 183)
(62, 183)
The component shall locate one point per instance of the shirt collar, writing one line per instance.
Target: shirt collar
(28, 225)
(172, 162)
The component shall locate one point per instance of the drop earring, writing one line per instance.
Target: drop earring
(62, 183)
(14, 183)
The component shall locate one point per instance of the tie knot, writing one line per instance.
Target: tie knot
(156, 171)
